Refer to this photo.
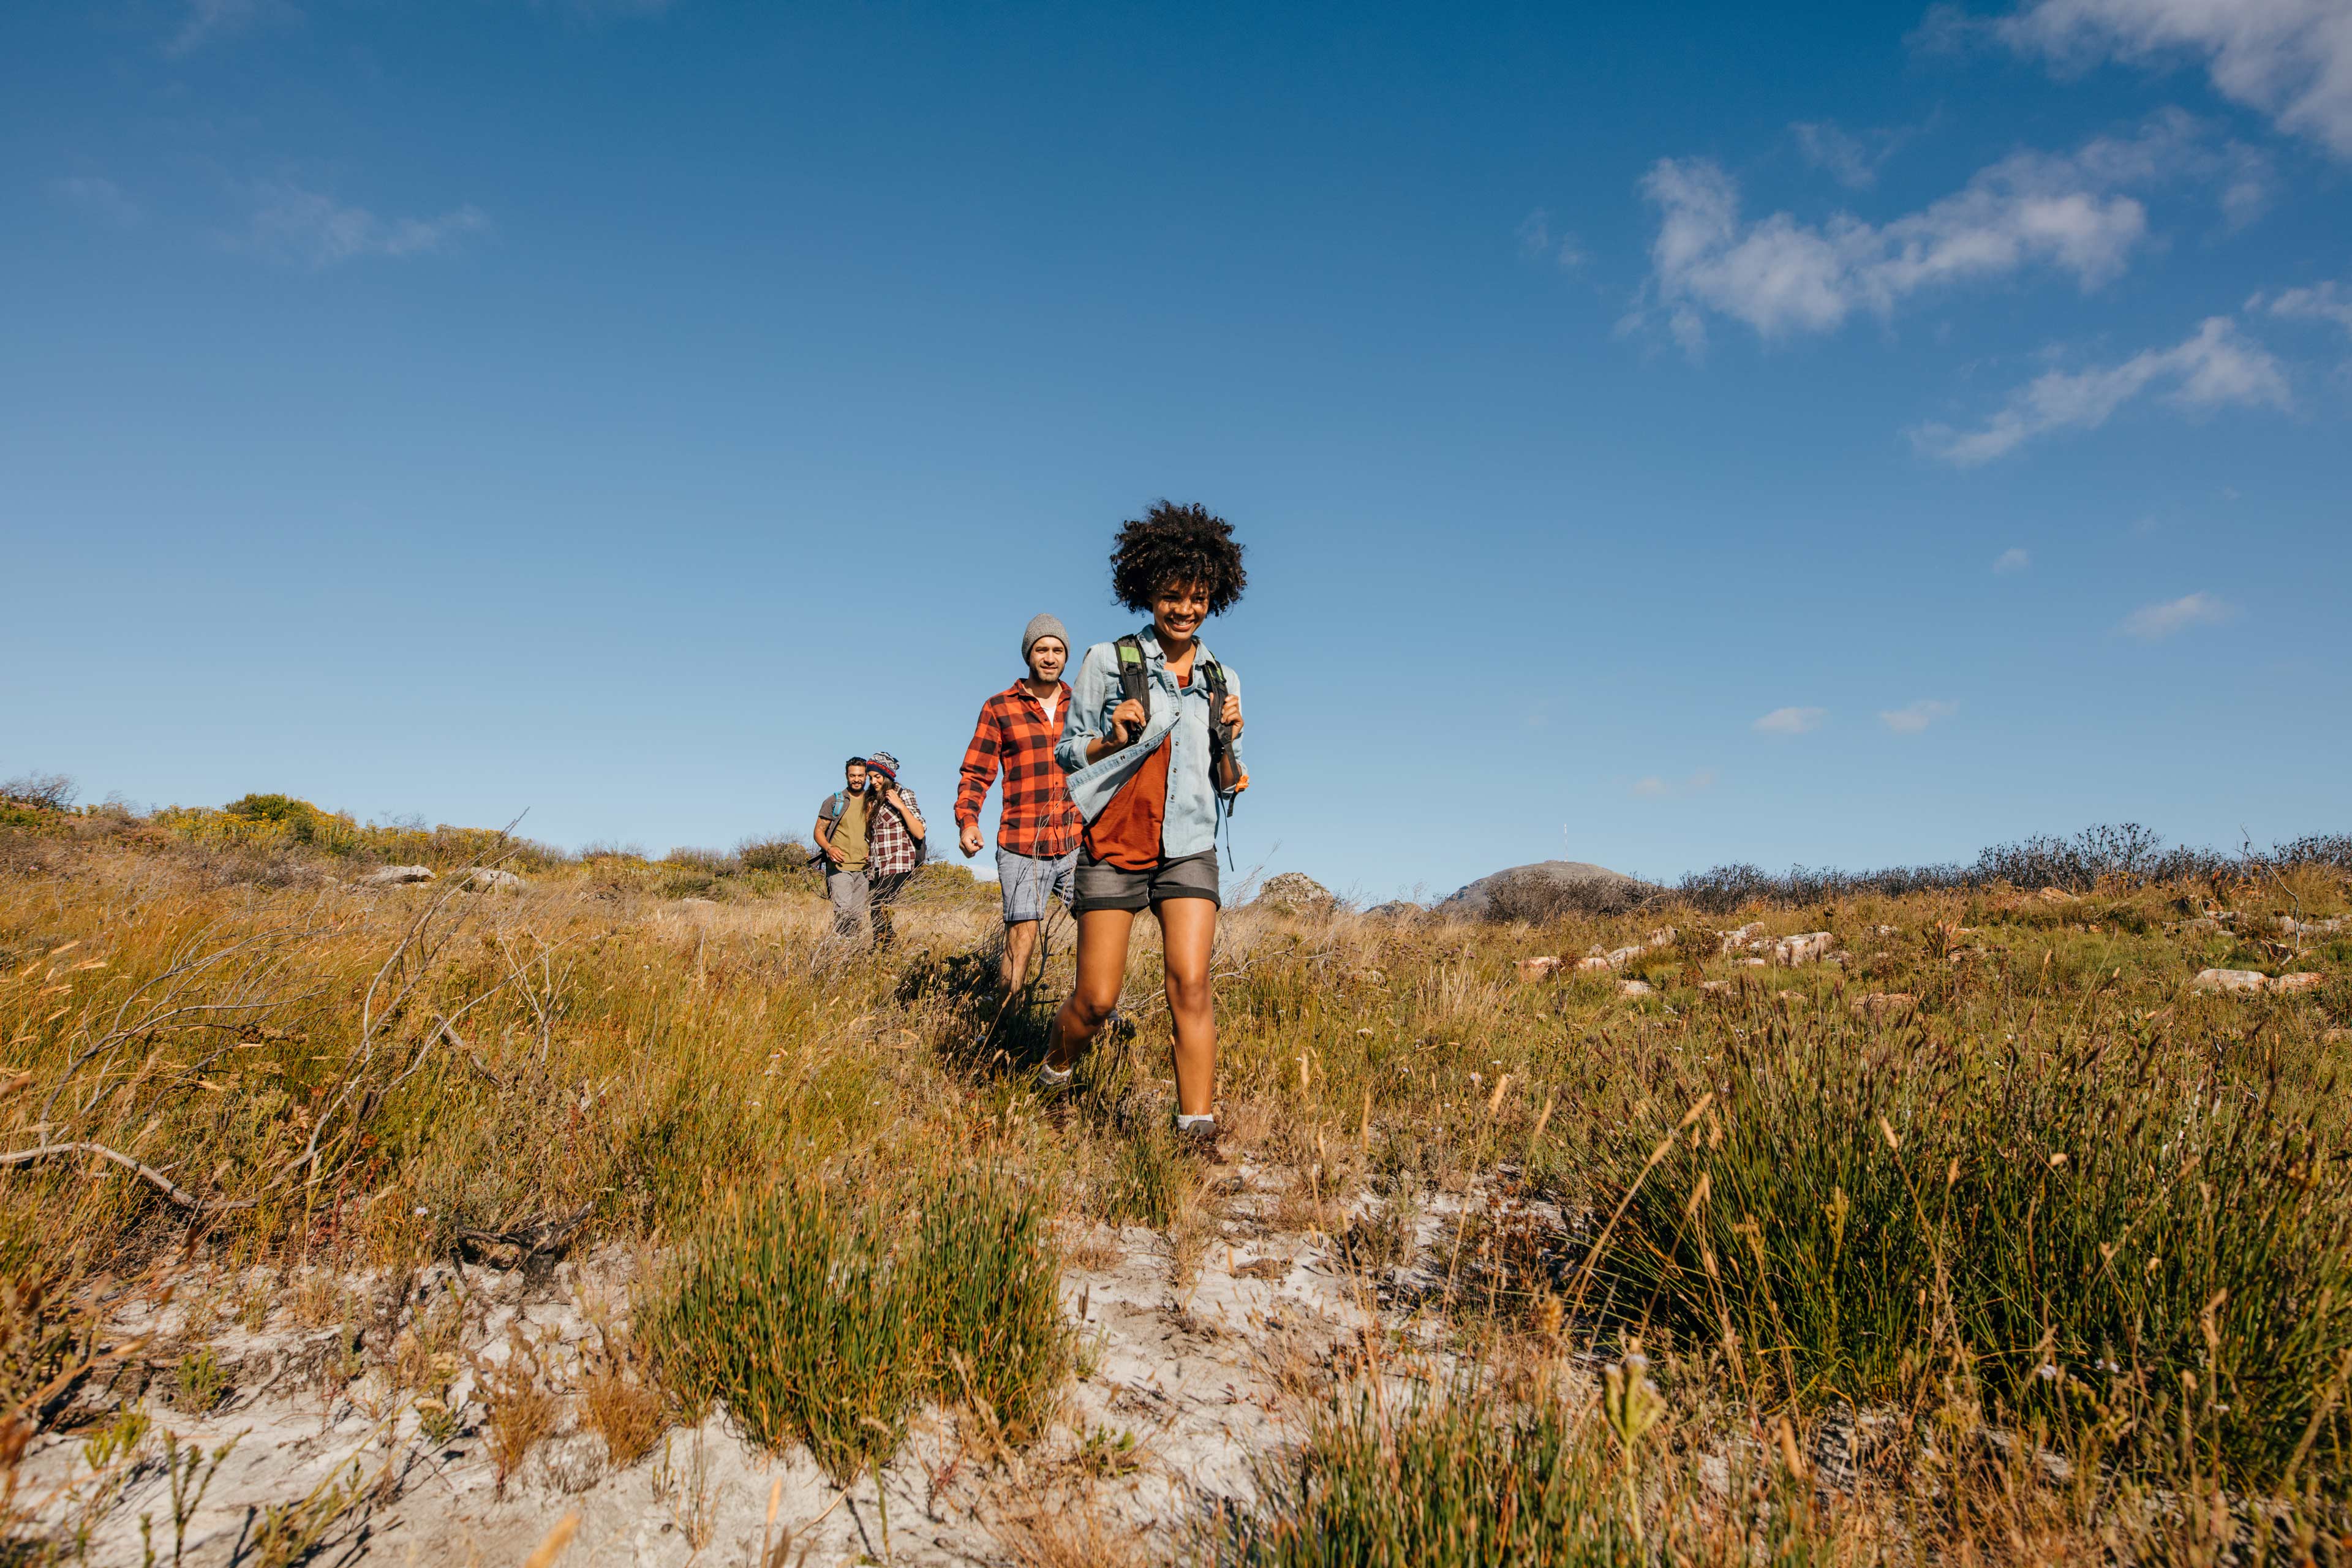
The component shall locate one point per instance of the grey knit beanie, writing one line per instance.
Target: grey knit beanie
(1041, 624)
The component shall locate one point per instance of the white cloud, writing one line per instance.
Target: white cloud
(102, 199)
(2319, 303)
(2151, 623)
(2291, 60)
(310, 230)
(1656, 788)
(1781, 275)
(1910, 721)
(2214, 367)
(2011, 560)
(1790, 721)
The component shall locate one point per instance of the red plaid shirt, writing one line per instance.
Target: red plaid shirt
(889, 846)
(1038, 818)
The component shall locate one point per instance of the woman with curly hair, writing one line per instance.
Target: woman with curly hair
(1152, 745)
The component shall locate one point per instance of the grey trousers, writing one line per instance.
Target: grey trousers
(857, 894)
(849, 891)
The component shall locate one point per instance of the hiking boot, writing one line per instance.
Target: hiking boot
(1053, 1082)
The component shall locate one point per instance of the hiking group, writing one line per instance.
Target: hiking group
(1113, 788)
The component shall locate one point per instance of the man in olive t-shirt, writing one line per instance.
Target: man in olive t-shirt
(840, 834)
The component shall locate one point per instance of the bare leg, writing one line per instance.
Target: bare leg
(1102, 969)
(1020, 945)
(1188, 929)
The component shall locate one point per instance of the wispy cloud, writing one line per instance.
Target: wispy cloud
(2153, 622)
(1790, 721)
(308, 228)
(210, 19)
(2216, 366)
(2011, 560)
(1910, 721)
(2321, 302)
(101, 198)
(1851, 160)
(1536, 240)
(1781, 275)
(1656, 788)
(2291, 60)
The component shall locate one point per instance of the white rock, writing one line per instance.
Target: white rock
(1635, 988)
(492, 880)
(1538, 968)
(2306, 982)
(395, 876)
(2230, 980)
(1806, 949)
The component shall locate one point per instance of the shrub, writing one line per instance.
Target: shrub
(2107, 1227)
(41, 792)
(814, 1316)
(1532, 894)
(1448, 1481)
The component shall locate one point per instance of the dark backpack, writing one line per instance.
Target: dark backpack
(1135, 685)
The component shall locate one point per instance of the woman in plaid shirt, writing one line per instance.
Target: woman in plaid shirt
(1037, 826)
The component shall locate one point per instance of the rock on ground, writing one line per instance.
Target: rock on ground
(396, 875)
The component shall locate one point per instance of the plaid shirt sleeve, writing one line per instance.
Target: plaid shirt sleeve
(980, 760)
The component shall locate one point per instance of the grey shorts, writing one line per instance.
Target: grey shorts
(1102, 887)
(1027, 881)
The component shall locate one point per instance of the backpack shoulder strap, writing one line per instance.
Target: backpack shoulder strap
(1134, 676)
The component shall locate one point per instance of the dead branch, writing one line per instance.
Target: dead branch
(145, 1172)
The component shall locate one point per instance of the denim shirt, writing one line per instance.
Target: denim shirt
(1190, 826)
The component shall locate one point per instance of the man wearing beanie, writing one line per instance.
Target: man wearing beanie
(1037, 827)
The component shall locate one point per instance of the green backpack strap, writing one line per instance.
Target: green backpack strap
(1134, 676)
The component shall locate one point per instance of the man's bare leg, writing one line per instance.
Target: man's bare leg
(1020, 946)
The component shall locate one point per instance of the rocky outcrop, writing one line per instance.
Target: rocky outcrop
(1296, 893)
(396, 875)
(492, 880)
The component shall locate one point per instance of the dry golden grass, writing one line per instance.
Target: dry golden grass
(333, 1082)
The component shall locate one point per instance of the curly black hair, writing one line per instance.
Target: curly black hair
(1173, 543)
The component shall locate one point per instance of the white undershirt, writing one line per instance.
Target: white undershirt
(1050, 704)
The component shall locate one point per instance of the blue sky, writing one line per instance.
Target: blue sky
(1661, 437)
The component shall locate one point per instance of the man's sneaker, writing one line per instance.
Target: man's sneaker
(1052, 1081)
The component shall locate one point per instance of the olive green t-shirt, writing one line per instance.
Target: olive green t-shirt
(849, 836)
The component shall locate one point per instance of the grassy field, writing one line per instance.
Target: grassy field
(1986, 1237)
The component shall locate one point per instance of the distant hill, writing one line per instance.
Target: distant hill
(1476, 901)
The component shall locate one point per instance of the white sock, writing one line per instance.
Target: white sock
(1196, 1123)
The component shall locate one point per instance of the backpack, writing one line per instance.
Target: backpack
(1135, 685)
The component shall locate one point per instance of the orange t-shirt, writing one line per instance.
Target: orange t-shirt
(1127, 834)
